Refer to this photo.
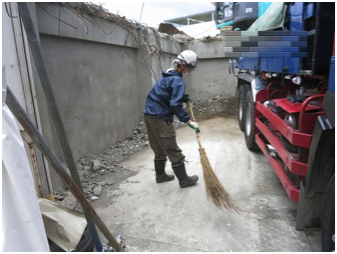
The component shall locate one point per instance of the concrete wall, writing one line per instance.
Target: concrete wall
(212, 77)
(101, 77)
(97, 91)
(100, 81)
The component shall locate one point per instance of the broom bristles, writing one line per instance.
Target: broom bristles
(214, 189)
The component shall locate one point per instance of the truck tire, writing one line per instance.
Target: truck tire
(241, 93)
(328, 217)
(249, 121)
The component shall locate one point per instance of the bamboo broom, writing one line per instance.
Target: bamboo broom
(214, 189)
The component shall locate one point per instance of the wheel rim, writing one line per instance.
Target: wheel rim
(248, 120)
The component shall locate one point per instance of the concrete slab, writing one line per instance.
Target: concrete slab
(164, 217)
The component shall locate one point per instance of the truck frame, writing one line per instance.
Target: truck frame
(286, 107)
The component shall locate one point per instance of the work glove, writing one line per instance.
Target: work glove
(194, 126)
(186, 99)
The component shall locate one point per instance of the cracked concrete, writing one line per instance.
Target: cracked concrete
(164, 217)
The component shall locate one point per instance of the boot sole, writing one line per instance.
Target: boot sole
(189, 184)
(164, 180)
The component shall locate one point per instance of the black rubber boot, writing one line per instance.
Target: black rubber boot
(184, 179)
(161, 176)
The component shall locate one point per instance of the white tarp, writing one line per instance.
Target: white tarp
(63, 226)
(22, 226)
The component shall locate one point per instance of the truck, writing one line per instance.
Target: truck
(285, 94)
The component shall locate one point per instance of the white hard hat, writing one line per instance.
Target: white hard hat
(189, 57)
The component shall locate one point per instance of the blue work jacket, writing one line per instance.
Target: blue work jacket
(165, 98)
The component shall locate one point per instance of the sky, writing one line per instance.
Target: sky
(155, 12)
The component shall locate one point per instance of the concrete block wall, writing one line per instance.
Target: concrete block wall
(101, 78)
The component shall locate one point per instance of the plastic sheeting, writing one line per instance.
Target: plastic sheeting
(273, 18)
(64, 227)
(22, 225)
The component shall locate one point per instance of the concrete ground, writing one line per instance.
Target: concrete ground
(164, 217)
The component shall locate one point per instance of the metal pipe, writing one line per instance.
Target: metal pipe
(52, 105)
(60, 169)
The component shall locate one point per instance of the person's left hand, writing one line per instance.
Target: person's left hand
(194, 125)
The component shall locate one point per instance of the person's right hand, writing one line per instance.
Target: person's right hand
(186, 99)
(194, 125)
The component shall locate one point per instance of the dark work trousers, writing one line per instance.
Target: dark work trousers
(162, 138)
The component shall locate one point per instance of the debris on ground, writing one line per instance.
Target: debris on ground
(120, 239)
(102, 171)
(214, 106)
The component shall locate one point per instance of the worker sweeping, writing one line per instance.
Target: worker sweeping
(163, 102)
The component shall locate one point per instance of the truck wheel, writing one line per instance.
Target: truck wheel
(241, 93)
(249, 121)
(328, 217)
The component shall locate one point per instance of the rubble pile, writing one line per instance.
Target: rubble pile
(97, 171)
(214, 106)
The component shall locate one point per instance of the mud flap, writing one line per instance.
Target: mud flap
(308, 209)
(321, 168)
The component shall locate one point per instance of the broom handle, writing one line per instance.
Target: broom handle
(193, 119)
